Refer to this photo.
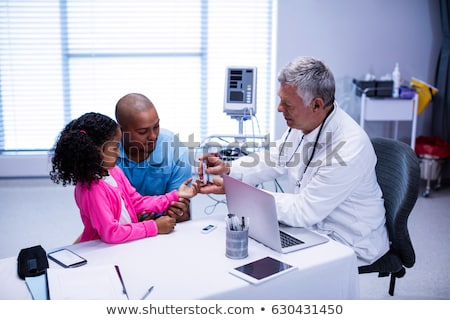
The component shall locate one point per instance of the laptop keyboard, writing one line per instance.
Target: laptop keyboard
(288, 240)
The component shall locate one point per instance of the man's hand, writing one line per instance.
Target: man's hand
(142, 216)
(180, 210)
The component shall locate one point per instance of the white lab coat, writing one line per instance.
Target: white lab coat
(338, 194)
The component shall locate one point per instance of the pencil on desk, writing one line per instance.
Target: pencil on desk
(147, 293)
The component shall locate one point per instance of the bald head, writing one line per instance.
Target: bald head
(131, 105)
(139, 124)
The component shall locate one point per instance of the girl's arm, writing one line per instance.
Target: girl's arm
(100, 207)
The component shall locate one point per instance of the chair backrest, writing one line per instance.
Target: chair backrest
(398, 175)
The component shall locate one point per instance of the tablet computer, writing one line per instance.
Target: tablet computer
(262, 270)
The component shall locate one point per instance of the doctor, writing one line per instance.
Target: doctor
(328, 160)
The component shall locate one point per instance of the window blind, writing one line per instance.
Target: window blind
(60, 59)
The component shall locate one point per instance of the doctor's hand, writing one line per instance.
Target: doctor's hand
(215, 187)
(214, 165)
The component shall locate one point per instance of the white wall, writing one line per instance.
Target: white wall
(357, 36)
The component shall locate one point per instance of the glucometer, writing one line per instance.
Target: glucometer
(205, 175)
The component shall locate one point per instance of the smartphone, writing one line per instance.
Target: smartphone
(208, 228)
(67, 258)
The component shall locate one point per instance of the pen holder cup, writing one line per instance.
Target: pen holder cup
(237, 244)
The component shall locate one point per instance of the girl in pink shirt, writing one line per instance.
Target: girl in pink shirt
(85, 156)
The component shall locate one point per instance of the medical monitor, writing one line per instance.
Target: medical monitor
(240, 91)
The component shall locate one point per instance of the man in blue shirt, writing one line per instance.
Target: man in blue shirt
(152, 158)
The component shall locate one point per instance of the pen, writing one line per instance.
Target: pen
(230, 222)
(124, 290)
(147, 293)
(235, 222)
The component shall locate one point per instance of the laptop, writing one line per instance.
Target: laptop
(259, 205)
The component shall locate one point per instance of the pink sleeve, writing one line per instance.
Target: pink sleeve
(143, 203)
(100, 209)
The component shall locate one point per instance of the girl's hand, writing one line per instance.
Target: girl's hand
(165, 224)
(185, 191)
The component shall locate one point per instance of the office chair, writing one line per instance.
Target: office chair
(398, 175)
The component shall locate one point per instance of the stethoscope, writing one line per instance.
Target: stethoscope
(298, 145)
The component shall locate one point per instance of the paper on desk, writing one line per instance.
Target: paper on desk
(85, 283)
(38, 287)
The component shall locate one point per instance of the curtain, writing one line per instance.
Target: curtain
(62, 58)
(441, 102)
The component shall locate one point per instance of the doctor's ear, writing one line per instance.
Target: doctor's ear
(318, 103)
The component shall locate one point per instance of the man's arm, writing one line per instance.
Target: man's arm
(181, 171)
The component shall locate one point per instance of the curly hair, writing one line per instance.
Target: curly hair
(76, 157)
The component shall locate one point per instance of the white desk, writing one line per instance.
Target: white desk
(188, 264)
(390, 109)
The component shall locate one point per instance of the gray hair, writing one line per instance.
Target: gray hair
(311, 77)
